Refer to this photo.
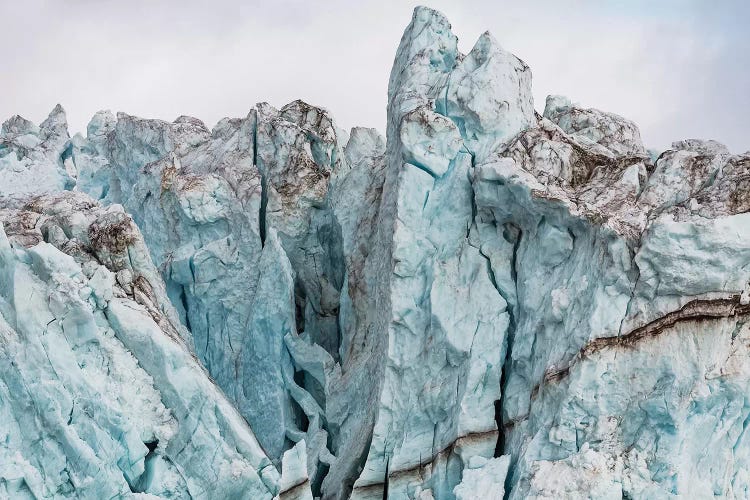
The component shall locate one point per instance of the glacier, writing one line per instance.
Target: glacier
(487, 303)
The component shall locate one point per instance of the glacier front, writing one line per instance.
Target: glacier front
(488, 303)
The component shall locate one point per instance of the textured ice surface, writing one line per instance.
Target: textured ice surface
(251, 241)
(35, 159)
(100, 397)
(489, 303)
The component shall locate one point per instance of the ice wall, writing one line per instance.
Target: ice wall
(487, 303)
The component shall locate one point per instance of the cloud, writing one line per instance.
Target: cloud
(678, 68)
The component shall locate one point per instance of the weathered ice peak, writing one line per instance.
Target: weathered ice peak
(487, 304)
(485, 118)
(700, 146)
(101, 124)
(56, 125)
(427, 52)
(35, 159)
(617, 134)
(18, 126)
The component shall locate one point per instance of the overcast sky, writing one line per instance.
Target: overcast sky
(679, 68)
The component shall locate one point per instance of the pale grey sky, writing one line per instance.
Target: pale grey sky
(679, 68)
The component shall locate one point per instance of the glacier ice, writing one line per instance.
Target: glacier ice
(36, 158)
(487, 303)
(101, 396)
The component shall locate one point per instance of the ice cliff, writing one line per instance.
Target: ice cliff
(488, 303)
